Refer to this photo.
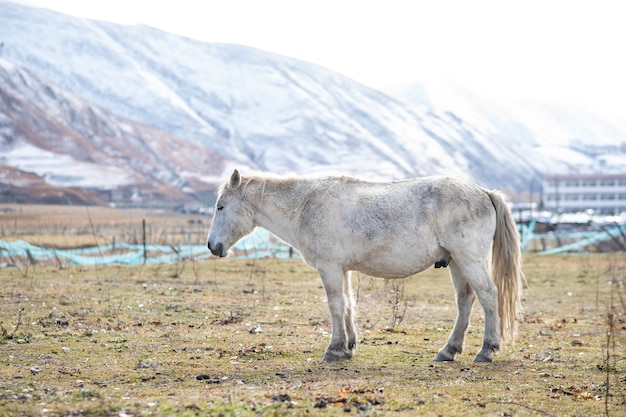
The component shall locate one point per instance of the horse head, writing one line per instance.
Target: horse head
(233, 217)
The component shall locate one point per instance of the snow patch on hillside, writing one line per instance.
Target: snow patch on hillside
(63, 170)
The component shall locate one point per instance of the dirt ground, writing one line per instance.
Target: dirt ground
(232, 337)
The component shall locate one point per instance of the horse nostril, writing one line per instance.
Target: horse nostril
(216, 250)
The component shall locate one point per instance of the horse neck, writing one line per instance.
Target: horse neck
(277, 205)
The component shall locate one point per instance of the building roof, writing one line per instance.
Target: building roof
(552, 177)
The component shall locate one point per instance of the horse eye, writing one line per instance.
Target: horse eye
(219, 208)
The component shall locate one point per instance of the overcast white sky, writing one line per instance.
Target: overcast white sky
(555, 50)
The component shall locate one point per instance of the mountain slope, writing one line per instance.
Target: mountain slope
(533, 123)
(264, 111)
(71, 143)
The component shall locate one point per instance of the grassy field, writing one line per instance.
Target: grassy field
(230, 337)
(65, 227)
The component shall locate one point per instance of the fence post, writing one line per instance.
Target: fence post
(143, 226)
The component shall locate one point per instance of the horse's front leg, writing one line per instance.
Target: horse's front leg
(343, 338)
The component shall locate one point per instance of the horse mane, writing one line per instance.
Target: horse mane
(253, 188)
(254, 184)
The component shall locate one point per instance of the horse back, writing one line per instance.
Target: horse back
(362, 219)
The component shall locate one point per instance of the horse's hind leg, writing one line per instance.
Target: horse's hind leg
(480, 281)
(343, 337)
(349, 316)
(465, 298)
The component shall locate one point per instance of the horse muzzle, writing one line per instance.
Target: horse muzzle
(217, 250)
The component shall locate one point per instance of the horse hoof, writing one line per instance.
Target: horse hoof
(444, 356)
(483, 357)
(447, 353)
(333, 355)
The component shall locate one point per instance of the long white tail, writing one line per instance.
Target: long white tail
(506, 268)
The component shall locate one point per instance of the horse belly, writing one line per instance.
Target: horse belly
(397, 261)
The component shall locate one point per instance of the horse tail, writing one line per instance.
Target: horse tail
(506, 258)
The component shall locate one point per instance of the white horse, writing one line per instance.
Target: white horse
(389, 230)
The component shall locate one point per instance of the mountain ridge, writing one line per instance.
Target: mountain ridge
(227, 105)
(527, 121)
(69, 142)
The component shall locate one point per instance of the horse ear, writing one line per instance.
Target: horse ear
(235, 179)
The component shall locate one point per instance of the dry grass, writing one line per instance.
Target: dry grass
(79, 226)
(161, 340)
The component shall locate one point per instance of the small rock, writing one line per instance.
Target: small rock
(209, 379)
(65, 349)
(256, 329)
(281, 397)
(35, 370)
(321, 403)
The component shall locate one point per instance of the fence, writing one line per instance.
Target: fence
(257, 245)
(262, 244)
(604, 239)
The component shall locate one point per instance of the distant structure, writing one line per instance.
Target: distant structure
(602, 193)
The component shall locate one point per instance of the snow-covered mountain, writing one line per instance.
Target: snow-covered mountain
(70, 143)
(580, 136)
(212, 106)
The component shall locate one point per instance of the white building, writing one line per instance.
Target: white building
(579, 192)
